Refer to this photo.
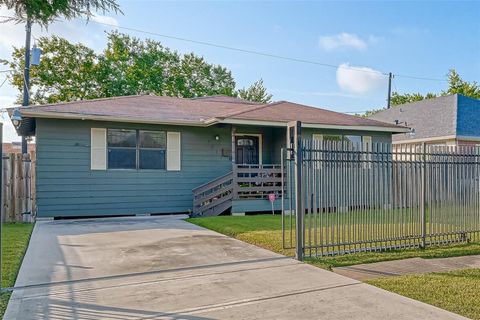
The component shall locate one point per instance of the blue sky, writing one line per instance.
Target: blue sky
(415, 38)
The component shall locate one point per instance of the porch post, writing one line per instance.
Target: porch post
(234, 131)
(234, 181)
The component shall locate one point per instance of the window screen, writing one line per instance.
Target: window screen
(122, 149)
(152, 145)
(136, 149)
(352, 141)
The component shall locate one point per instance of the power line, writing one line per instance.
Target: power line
(5, 80)
(221, 46)
(260, 53)
(419, 78)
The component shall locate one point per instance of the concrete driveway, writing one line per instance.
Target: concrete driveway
(165, 268)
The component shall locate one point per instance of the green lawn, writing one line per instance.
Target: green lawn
(456, 291)
(15, 239)
(266, 231)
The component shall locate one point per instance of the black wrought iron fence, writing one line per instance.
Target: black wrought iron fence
(373, 197)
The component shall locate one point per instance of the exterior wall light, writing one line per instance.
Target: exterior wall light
(217, 137)
(411, 133)
(16, 118)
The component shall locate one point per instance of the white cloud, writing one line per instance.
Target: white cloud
(342, 40)
(359, 80)
(105, 19)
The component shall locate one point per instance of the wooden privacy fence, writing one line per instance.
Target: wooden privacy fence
(18, 187)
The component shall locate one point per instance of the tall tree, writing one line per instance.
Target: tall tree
(44, 12)
(455, 85)
(256, 92)
(67, 72)
(127, 66)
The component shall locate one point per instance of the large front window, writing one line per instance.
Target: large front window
(136, 149)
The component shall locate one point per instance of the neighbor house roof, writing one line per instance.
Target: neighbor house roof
(203, 111)
(447, 117)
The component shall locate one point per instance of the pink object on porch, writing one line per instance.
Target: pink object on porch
(271, 197)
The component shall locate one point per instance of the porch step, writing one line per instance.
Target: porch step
(214, 197)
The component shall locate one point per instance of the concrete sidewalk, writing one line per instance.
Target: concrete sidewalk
(165, 268)
(368, 271)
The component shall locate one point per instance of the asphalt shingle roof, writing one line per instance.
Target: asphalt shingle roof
(199, 111)
(436, 117)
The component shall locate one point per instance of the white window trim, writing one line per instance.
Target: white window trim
(260, 144)
(177, 168)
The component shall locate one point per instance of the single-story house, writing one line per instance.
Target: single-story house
(447, 120)
(153, 154)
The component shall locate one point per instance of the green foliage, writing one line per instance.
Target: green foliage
(127, 66)
(455, 85)
(44, 12)
(256, 92)
(398, 98)
(370, 113)
(455, 291)
(67, 72)
(15, 238)
(266, 231)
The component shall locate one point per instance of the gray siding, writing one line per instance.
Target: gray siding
(67, 187)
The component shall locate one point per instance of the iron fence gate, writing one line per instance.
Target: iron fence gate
(373, 197)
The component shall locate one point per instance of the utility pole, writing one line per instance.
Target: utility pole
(26, 77)
(390, 76)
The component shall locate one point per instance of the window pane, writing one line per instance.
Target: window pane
(245, 142)
(153, 139)
(152, 159)
(331, 137)
(122, 138)
(121, 158)
(354, 139)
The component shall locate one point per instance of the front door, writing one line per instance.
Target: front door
(246, 150)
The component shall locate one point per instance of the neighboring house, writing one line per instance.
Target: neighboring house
(150, 154)
(447, 120)
(16, 147)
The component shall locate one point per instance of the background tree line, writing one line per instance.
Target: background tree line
(127, 66)
(455, 85)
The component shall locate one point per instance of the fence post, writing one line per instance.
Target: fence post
(296, 136)
(423, 204)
